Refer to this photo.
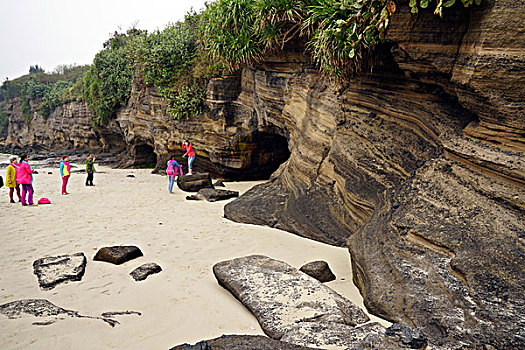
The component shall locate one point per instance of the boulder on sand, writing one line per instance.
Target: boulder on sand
(143, 271)
(59, 269)
(318, 270)
(195, 182)
(213, 195)
(117, 254)
(280, 296)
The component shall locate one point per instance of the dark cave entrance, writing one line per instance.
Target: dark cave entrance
(144, 156)
(256, 156)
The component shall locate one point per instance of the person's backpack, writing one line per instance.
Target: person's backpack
(1, 182)
(169, 170)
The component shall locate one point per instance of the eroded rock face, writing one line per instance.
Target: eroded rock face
(68, 129)
(240, 342)
(59, 269)
(450, 257)
(280, 296)
(117, 254)
(421, 163)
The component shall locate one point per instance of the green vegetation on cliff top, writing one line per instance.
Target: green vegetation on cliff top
(46, 90)
(180, 59)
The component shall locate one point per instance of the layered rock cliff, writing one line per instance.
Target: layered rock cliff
(418, 167)
(68, 129)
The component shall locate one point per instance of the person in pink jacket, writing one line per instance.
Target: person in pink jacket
(25, 178)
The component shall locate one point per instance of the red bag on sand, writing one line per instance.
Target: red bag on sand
(44, 201)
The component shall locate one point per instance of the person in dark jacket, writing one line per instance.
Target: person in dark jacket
(90, 170)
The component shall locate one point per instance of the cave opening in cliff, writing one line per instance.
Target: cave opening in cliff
(259, 155)
(144, 156)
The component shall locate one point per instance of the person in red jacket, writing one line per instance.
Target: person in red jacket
(25, 178)
(190, 153)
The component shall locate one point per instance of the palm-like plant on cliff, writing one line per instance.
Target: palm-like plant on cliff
(229, 33)
(340, 34)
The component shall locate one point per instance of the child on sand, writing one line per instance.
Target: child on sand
(10, 180)
(25, 178)
(65, 172)
(190, 153)
(171, 170)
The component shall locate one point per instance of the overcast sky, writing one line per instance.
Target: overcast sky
(54, 32)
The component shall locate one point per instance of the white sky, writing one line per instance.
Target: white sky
(54, 32)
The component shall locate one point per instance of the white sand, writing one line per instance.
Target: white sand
(183, 303)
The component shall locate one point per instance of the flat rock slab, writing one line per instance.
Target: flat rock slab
(330, 335)
(318, 270)
(240, 342)
(143, 271)
(279, 295)
(213, 195)
(59, 269)
(42, 308)
(195, 182)
(118, 254)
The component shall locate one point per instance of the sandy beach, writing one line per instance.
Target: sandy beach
(183, 303)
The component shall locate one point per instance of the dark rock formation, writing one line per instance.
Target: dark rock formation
(44, 308)
(117, 254)
(195, 182)
(59, 269)
(368, 336)
(143, 271)
(280, 296)
(213, 195)
(318, 270)
(240, 342)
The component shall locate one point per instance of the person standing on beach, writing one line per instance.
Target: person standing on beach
(191, 155)
(90, 170)
(25, 178)
(171, 171)
(10, 180)
(65, 172)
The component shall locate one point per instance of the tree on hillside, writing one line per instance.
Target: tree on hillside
(35, 69)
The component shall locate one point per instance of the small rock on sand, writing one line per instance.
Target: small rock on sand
(117, 254)
(143, 271)
(318, 270)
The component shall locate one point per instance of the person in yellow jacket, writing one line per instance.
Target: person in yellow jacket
(10, 181)
(65, 172)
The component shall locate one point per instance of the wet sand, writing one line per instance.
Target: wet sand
(183, 303)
